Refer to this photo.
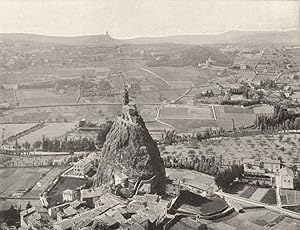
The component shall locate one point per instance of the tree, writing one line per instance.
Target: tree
(37, 144)
(27, 145)
(28, 205)
(225, 178)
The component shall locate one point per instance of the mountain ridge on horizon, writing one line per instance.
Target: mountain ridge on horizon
(291, 37)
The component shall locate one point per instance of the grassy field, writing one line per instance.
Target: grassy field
(13, 179)
(55, 196)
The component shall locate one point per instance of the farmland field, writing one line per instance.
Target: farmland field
(43, 182)
(258, 219)
(247, 193)
(13, 179)
(226, 116)
(290, 196)
(190, 119)
(44, 97)
(155, 126)
(269, 197)
(62, 113)
(176, 73)
(187, 112)
(50, 130)
(286, 146)
(13, 129)
(191, 125)
(259, 194)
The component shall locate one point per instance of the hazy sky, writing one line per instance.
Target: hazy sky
(131, 18)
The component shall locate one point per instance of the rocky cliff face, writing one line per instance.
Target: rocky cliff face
(130, 149)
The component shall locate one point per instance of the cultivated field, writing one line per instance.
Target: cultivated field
(187, 119)
(62, 113)
(190, 125)
(51, 130)
(290, 196)
(13, 179)
(13, 129)
(45, 97)
(42, 184)
(187, 112)
(258, 219)
(173, 74)
(226, 115)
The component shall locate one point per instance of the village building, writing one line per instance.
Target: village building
(173, 187)
(70, 195)
(35, 218)
(261, 166)
(285, 178)
(82, 167)
(90, 196)
(268, 171)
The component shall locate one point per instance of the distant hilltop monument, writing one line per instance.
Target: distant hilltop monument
(130, 161)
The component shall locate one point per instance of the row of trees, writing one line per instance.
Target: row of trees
(207, 165)
(225, 178)
(72, 145)
(170, 137)
(282, 119)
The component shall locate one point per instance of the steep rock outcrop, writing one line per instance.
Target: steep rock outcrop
(130, 149)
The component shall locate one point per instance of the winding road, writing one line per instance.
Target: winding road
(155, 75)
(165, 104)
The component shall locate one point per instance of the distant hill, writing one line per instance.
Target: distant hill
(291, 37)
(93, 40)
